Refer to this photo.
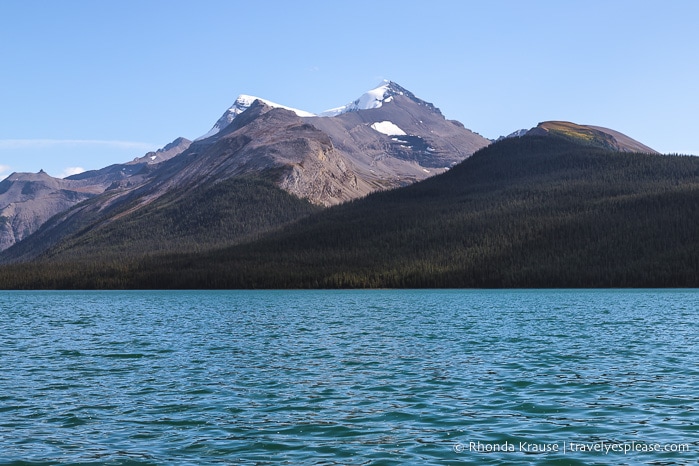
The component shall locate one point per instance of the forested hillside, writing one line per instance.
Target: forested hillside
(208, 216)
(524, 212)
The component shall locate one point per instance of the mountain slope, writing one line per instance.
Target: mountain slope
(524, 212)
(28, 200)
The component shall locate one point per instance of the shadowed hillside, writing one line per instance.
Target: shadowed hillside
(525, 212)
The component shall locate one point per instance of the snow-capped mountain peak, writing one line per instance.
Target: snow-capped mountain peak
(374, 98)
(242, 103)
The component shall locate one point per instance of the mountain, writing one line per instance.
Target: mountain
(533, 211)
(398, 140)
(28, 200)
(393, 139)
(261, 202)
(385, 139)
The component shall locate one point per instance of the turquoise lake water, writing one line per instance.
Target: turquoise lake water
(382, 377)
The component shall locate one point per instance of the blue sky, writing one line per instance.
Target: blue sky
(89, 83)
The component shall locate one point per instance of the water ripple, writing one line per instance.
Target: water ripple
(348, 377)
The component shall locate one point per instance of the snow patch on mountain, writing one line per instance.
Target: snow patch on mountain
(388, 128)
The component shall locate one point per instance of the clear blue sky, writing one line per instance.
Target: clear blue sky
(88, 83)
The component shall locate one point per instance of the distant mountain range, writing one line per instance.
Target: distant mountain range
(262, 179)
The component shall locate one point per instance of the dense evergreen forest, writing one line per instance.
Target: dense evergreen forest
(523, 212)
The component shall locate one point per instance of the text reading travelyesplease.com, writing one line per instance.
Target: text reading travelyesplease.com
(604, 448)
